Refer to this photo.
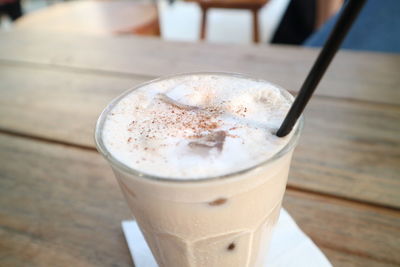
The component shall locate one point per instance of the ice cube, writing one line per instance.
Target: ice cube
(166, 99)
(207, 142)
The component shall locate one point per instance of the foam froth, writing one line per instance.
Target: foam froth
(197, 126)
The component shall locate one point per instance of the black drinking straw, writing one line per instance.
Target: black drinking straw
(350, 11)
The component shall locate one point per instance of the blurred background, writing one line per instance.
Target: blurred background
(225, 21)
(295, 22)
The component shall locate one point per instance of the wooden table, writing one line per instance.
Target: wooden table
(60, 204)
(97, 17)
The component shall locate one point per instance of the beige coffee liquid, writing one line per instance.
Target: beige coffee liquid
(174, 138)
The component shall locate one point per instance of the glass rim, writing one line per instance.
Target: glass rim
(124, 167)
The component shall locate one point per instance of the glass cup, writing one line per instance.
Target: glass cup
(217, 221)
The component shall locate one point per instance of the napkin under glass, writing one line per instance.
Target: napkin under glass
(289, 247)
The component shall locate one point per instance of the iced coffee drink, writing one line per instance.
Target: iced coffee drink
(198, 161)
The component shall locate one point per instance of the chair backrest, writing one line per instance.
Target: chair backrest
(377, 28)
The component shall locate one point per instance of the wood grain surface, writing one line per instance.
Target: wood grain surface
(61, 205)
(341, 140)
(352, 260)
(354, 75)
(56, 104)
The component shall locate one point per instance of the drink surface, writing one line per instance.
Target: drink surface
(197, 126)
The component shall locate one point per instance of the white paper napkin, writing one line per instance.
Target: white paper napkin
(289, 247)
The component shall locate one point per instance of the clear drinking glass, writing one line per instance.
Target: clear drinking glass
(217, 221)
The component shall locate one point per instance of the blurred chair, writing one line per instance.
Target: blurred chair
(253, 5)
(95, 17)
(377, 28)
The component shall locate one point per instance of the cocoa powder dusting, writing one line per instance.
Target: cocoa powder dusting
(183, 117)
(194, 123)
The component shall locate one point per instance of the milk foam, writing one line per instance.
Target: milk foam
(197, 126)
